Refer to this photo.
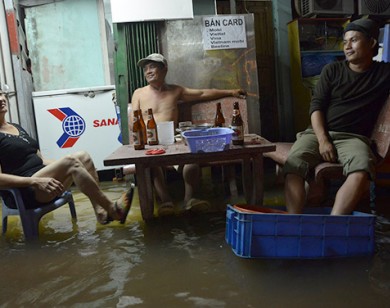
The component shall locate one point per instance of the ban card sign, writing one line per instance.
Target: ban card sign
(224, 32)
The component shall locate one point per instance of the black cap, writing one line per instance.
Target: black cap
(367, 26)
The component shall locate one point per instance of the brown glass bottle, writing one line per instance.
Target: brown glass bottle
(237, 126)
(138, 137)
(151, 129)
(219, 120)
(143, 125)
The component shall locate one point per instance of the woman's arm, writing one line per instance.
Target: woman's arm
(47, 184)
(9, 180)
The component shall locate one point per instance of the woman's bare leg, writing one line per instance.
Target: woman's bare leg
(71, 169)
(86, 160)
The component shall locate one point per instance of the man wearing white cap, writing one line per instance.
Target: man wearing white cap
(343, 110)
(163, 99)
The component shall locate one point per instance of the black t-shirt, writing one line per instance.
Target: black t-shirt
(351, 101)
(18, 153)
(18, 156)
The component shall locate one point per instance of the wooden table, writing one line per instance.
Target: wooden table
(251, 156)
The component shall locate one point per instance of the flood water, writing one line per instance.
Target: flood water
(182, 261)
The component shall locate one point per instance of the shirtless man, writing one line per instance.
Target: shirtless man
(163, 99)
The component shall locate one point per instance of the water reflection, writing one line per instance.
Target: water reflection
(379, 273)
(178, 262)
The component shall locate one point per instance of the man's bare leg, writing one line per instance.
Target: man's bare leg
(295, 193)
(165, 204)
(160, 186)
(191, 176)
(350, 193)
(191, 180)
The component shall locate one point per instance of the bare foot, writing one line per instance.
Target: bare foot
(101, 215)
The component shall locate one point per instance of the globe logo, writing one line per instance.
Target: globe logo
(73, 125)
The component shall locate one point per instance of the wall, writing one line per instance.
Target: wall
(203, 7)
(67, 43)
(6, 69)
(192, 66)
(282, 15)
(14, 77)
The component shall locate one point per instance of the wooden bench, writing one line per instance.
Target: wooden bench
(324, 172)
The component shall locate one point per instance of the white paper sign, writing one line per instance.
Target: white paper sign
(224, 32)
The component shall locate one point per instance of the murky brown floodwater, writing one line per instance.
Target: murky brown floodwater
(177, 262)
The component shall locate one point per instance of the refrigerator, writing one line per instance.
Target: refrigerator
(79, 119)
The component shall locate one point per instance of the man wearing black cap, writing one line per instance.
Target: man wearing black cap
(343, 110)
(163, 99)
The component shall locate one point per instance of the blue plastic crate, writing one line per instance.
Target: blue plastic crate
(314, 234)
(208, 140)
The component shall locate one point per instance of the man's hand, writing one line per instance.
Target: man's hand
(49, 185)
(239, 93)
(328, 151)
(326, 147)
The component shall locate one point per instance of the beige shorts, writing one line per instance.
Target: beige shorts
(353, 152)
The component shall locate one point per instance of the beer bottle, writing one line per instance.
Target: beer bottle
(237, 126)
(219, 120)
(151, 129)
(143, 126)
(138, 138)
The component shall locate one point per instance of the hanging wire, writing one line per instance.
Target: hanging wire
(246, 10)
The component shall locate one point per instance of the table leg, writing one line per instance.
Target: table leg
(145, 191)
(253, 180)
(230, 172)
(247, 180)
(258, 180)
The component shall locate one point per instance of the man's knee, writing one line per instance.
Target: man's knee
(296, 166)
(360, 167)
(190, 168)
(191, 172)
(157, 173)
(360, 176)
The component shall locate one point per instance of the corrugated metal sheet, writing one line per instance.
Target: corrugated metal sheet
(133, 41)
(141, 40)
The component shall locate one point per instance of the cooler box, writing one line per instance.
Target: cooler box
(314, 234)
(82, 119)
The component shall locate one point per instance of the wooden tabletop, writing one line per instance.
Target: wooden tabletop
(250, 155)
(179, 153)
